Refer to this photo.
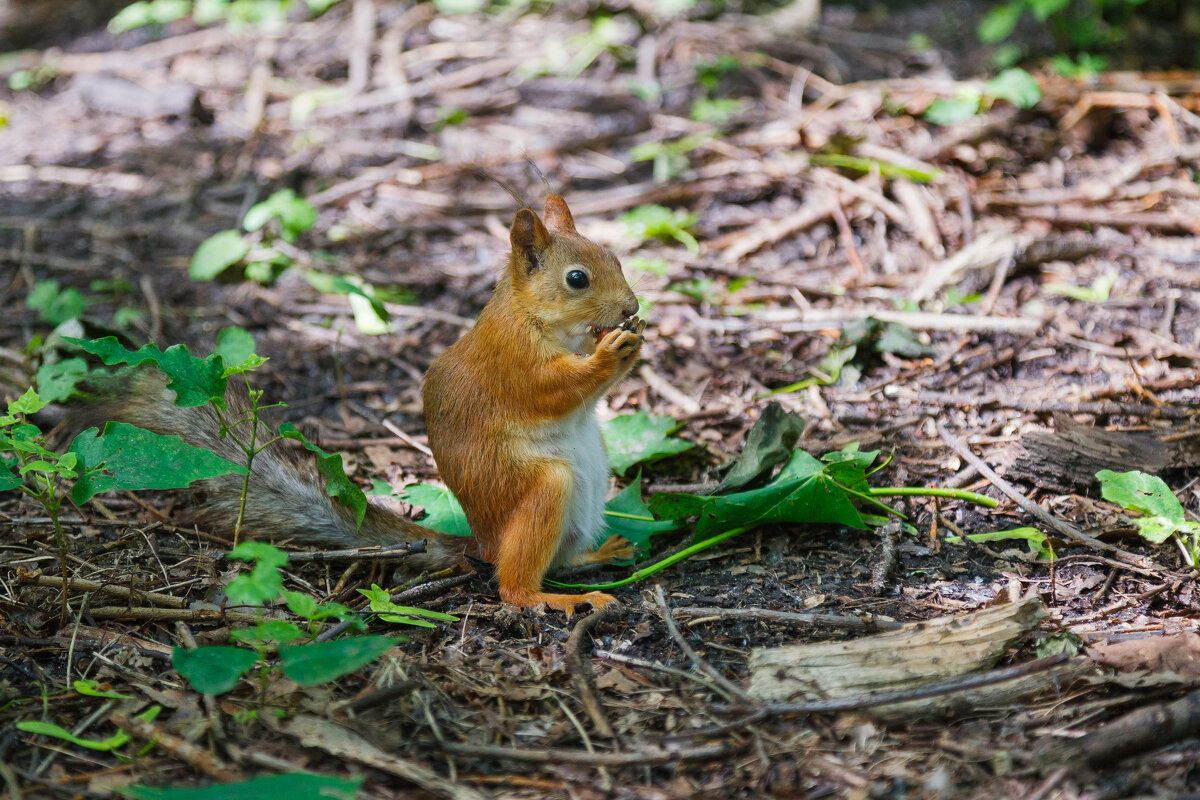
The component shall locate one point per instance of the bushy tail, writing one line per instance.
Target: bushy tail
(285, 499)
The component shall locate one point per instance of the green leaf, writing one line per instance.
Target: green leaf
(634, 438)
(271, 630)
(901, 340)
(292, 785)
(1000, 22)
(216, 254)
(302, 605)
(259, 552)
(27, 403)
(1137, 491)
(234, 345)
(1016, 86)
(443, 512)
(1034, 539)
(952, 110)
(886, 169)
(1149, 495)
(320, 662)
(677, 506)
(55, 305)
(111, 743)
(261, 584)
(57, 381)
(294, 213)
(659, 222)
(805, 491)
(768, 443)
(213, 670)
(194, 380)
(1042, 9)
(381, 603)
(92, 689)
(128, 457)
(337, 484)
(628, 515)
(8, 478)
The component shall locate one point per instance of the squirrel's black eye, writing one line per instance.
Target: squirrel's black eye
(577, 279)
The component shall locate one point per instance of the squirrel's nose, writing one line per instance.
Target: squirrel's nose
(630, 308)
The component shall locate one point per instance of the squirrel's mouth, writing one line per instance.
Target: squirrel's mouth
(600, 331)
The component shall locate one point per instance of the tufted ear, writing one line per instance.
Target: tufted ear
(528, 236)
(558, 216)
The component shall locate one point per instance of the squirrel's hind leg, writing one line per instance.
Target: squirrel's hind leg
(529, 542)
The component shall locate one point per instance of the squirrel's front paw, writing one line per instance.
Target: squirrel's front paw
(624, 343)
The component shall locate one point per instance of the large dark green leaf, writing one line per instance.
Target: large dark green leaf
(126, 457)
(768, 443)
(319, 662)
(194, 380)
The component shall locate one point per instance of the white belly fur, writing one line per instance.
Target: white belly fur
(577, 440)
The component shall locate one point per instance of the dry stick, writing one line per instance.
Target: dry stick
(1046, 786)
(827, 620)
(727, 685)
(1136, 563)
(1097, 408)
(177, 746)
(122, 592)
(194, 615)
(641, 756)
(391, 551)
(581, 670)
(1143, 729)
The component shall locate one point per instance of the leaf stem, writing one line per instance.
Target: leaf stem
(657, 566)
(931, 491)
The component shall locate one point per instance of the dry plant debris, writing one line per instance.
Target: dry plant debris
(1044, 261)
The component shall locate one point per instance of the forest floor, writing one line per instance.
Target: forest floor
(1032, 281)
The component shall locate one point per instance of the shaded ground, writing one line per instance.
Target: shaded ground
(140, 147)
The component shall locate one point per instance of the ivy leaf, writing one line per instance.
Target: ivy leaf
(55, 305)
(319, 662)
(1016, 86)
(294, 213)
(56, 381)
(1148, 495)
(216, 254)
(804, 491)
(271, 630)
(292, 785)
(952, 110)
(1000, 22)
(768, 443)
(634, 438)
(213, 670)
(234, 345)
(628, 515)
(194, 380)
(443, 512)
(337, 484)
(27, 403)
(127, 457)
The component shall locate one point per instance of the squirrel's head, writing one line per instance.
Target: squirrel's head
(573, 287)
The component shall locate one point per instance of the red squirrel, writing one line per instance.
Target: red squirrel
(510, 409)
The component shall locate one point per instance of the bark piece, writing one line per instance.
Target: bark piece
(917, 654)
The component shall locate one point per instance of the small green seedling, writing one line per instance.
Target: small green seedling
(1162, 515)
(1098, 292)
(1014, 85)
(670, 158)
(215, 670)
(1037, 542)
(659, 222)
(282, 217)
